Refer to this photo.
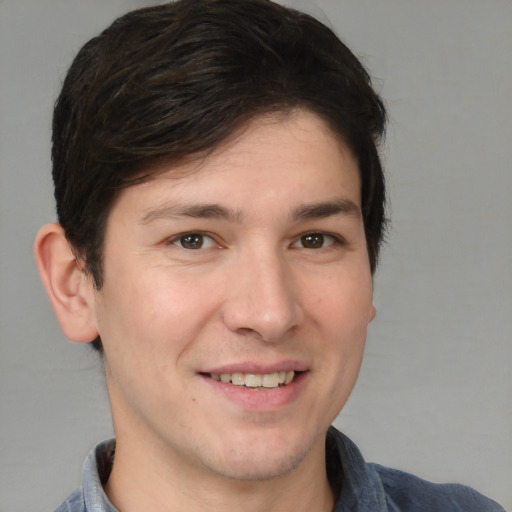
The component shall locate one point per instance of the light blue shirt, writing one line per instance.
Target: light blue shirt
(361, 487)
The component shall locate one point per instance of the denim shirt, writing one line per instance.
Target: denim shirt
(360, 486)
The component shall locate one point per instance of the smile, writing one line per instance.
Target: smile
(255, 381)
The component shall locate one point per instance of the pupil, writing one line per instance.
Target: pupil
(313, 241)
(192, 241)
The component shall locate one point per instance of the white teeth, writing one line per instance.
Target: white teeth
(250, 380)
(237, 379)
(270, 380)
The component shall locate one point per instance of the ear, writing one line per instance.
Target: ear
(69, 287)
(372, 314)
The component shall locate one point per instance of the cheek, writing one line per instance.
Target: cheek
(156, 309)
(343, 304)
(341, 313)
(343, 316)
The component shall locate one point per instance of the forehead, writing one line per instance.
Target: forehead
(286, 156)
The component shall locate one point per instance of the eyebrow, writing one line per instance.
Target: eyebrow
(196, 211)
(326, 209)
(312, 211)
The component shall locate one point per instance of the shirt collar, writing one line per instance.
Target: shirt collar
(358, 486)
(95, 473)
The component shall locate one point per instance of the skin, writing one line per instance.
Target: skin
(278, 283)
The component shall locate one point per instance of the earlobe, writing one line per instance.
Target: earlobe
(69, 288)
(372, 314)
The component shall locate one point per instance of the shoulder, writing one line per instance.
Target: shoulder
(74, 503)
(409, 492)
(365, 487)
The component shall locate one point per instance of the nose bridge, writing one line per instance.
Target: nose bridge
(263, 297)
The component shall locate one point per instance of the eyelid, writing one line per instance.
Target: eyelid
(175, 239)
(336, 239)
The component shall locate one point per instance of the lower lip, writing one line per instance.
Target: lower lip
(267, 399)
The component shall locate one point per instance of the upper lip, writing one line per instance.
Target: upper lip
(256, 368)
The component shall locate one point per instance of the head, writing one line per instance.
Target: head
(221, 205)
(172, 82)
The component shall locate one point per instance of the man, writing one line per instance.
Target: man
(221, 206)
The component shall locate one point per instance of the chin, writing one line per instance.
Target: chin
(259, 461)
(251, 470)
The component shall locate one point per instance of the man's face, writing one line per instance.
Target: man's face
(251, 269)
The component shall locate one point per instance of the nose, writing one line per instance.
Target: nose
(262, 299)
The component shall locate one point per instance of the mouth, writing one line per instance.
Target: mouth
(256, 381)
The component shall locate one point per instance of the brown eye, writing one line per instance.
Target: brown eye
(191, 241)
(312, 241)
(194, 241)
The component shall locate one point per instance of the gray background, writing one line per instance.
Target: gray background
(435, 392)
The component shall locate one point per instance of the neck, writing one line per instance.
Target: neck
(146, 479)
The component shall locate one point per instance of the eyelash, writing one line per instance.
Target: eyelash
(178, 240)
(334, 239)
